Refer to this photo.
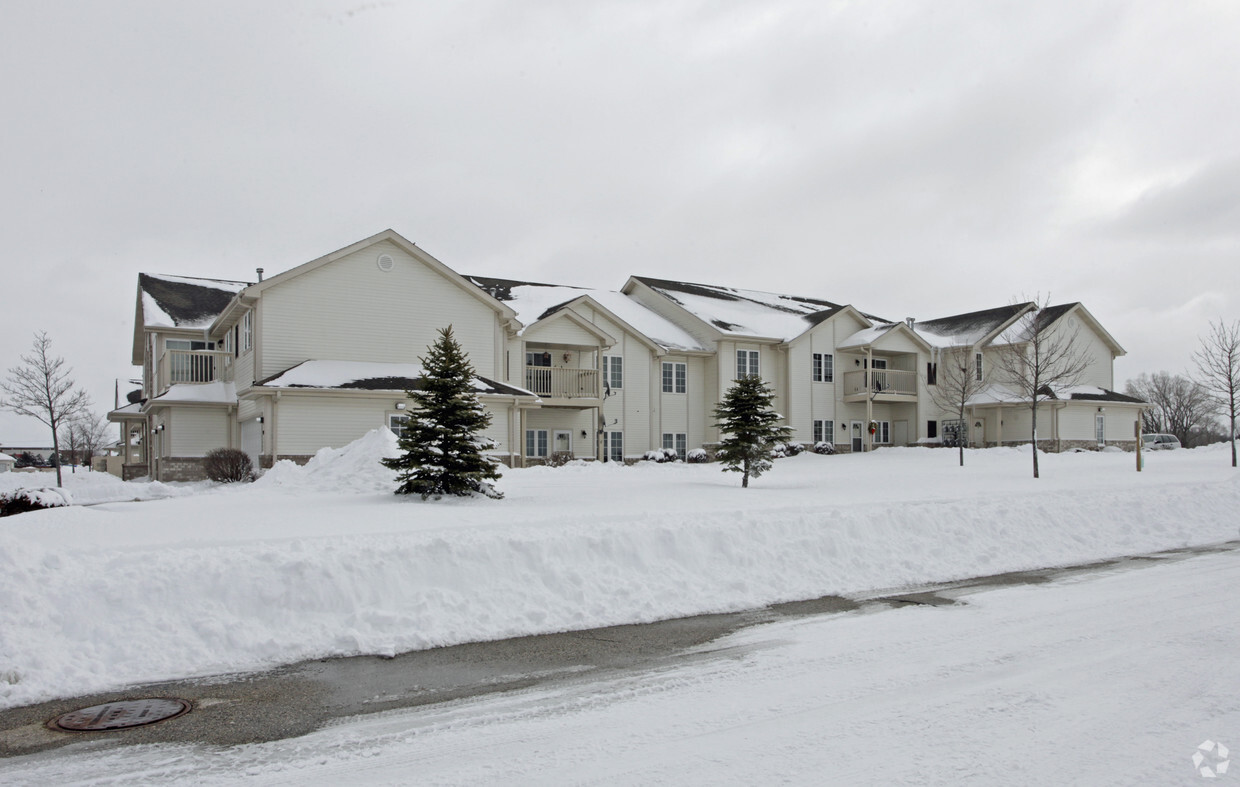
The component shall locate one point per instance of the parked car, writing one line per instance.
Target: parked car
(1160, 442)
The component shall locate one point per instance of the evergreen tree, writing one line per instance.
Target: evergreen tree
(441, 442)
(750, 428)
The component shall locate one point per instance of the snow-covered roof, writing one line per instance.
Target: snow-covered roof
(370, 376)
(182, 301)
(7, 458)
(202, 393)
(533, 301)
(746, 312)
(966, 330)
(1000, 394)
(865, 336)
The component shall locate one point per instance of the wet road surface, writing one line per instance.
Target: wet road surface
(300, 698)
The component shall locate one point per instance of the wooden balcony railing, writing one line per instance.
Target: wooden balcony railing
(556, 382)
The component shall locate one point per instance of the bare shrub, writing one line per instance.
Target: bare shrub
(228, 465)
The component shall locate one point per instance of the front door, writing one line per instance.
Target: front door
(857, 440)
(563, 442)
(899, 432)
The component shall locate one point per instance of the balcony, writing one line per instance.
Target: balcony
(558, 382)
(178, 367)
(885, 385)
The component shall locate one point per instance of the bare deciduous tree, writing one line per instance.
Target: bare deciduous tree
(84, 436)
(41, 387)
(1178, 405)
(1041, 356)
(1218, 363)
(956, 382)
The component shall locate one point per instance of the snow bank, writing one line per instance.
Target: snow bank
(324, 560)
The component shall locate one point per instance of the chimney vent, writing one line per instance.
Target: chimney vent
(910, 321)
(260, 273)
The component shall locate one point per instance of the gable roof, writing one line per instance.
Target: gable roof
(971, 328)
(1044, 319)
(533, 302)
(370, 376)
(745, 313)
(868, 337)
(183, 302)
(394, 237)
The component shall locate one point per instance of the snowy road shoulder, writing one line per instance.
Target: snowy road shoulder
(1024, 685)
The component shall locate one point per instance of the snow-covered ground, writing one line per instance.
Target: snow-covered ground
(1116, 678)
(324, 560)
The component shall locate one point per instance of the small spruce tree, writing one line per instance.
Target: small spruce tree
(750, 427)
(441, 442)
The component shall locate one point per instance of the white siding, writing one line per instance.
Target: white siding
(197, 430)
(561, 331)
(304, 424)
(350, 310)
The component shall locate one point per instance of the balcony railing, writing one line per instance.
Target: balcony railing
(193, 366)
(556, 382)
(880, 381)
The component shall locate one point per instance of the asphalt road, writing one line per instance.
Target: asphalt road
(249, 708)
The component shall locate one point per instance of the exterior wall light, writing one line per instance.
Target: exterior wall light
(400, 405)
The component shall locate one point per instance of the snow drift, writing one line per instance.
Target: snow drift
(324, 560)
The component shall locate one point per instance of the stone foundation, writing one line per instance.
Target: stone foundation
(182, 468)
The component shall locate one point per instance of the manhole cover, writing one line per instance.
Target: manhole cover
(122, 714)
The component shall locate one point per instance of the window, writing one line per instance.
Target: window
(538, 359)
(932, 374)
(746, 363)
(674, 377)
(536, 442)
(1100, 428)
(247, 332)
(824, 431)
(883, 433)
(678, 442)
(229, 347)
(613, 447)
(824, 368)
(977, 366)
(932, 428)
(396, 422)
(613, 372)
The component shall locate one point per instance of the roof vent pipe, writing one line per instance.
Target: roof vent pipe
(908, 320)
(260, 273)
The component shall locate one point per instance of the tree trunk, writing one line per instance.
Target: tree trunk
(960, 447)
(1035, 435)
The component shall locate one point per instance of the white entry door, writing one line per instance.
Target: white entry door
(563, 442)
(858, 442)
(899, 432)
(252, 439)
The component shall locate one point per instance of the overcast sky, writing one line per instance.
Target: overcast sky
(913, 159)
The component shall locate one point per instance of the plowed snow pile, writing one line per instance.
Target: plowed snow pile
(323, 560)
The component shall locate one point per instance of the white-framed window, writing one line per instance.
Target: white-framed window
(1100, 428)
(228, 343)
(932, 374)
(613, 446)
(678, 442)
(746, 363)
(613, 372)
(397, 422)
(536, 442)
(538, 359)
(882, 434)
(675, 377)
(247, 332)
(824, 368)
(824, 431)
(977, 366)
